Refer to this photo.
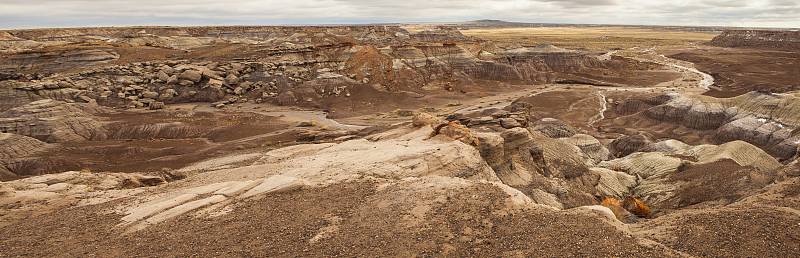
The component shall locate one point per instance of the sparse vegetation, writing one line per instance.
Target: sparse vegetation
(597, 38)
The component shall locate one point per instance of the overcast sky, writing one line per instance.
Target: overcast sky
(90, 13)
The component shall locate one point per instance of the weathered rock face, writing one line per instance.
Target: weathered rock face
(174, 130)
(58, 60)
(53, 121)
(770, 121)
(770, 39)
(494, 119)
(14, 146)
(415, 154)
(551, 171)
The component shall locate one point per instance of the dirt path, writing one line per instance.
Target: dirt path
(601, 114)
(704, 83)
(692, 78)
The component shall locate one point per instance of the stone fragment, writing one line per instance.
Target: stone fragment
(191, 75)
(150, 94)
(173, 80)
(232, 79)
(156, 105)
(215, 84)
(636, 207)
(509, 123)
(162, 76)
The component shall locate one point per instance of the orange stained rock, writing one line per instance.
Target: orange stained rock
(611, 202)
(613, 205)
(636, 207)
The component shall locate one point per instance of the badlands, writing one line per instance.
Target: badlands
(482, 138)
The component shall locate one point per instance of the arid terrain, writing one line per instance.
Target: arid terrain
(481, 138)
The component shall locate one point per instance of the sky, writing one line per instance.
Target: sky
(16, 14)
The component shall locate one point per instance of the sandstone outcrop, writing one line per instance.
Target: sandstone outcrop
(441, 126)
(41, 194)
(58, 60)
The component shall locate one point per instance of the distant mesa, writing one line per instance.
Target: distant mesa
(770, 39)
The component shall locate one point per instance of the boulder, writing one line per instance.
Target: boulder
(150, 94)
(214, 84)
(156, 105)
(619, 212)
(441, 126)
(173, 79)
(191, 75)
(636, 207)
(232, 79)
(162, 76)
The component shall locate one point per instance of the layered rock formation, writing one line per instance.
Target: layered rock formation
(764, 119)
(768, 39)
(58, 60)
(305, 66)
(53, 121)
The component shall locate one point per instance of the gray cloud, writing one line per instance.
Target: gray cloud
(71, 13)
(784, 3)
(582, 3)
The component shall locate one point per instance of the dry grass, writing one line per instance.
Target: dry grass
(599, 38)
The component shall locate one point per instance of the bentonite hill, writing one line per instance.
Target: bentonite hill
(472, 139)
